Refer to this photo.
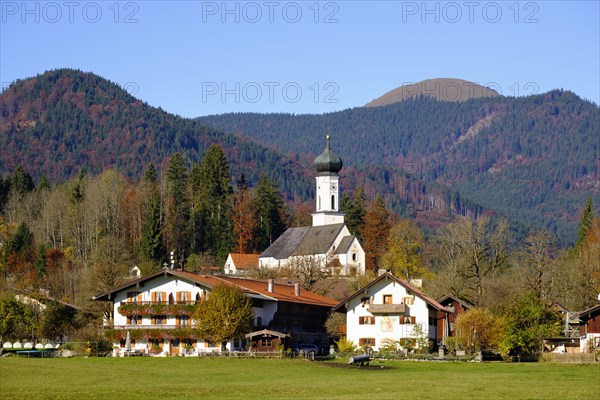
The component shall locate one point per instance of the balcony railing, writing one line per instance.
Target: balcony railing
(163, 302)
(147, 326)
(150, 308)
(387, 308)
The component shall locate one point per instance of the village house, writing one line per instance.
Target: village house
(155, 312)
(455, 307)
(240, 264)
(389, 309)
(327, 244)
(589, 328)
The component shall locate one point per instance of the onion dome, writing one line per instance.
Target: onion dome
(328, 163)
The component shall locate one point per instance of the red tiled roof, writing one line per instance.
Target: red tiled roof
(281, 292)
(245, 261)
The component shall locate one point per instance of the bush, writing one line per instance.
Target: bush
(346, 346)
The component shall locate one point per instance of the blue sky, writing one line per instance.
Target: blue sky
(196, 58)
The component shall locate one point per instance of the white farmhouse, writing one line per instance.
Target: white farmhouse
(155, 311)
(327, 243)
(388, 309)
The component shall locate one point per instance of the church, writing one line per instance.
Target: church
(328, 243)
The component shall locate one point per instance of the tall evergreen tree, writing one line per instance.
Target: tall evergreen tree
(355, 211)
(151, 245)
(271, 212)
(177, 205)
(21, 181)
(210, 225)
(585, 223)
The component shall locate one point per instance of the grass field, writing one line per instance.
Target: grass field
(219, 378)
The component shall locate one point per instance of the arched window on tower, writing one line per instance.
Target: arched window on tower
(333, 201)
(319, 201)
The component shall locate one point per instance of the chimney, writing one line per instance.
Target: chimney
(270, 286)
(296, 289)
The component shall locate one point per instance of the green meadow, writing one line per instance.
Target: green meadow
(222, 378)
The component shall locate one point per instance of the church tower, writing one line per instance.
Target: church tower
(328, 164)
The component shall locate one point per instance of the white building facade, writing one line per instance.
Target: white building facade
(389, 309)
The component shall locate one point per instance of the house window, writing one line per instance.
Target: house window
(366, 320)
(197, 297)
(366, 342)
(408, 300)
(432, 321)
(387, 299)
(259, 322)
(171, 299)
(184, 320)
(159, 320)
(159, 297)
(407, 320)
(365, 301)
(133, 297)
(266, 342)
(353, 256)
(135, 320)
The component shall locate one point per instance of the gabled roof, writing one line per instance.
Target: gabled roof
(244, 261)
(586, 314)
(252, 288)
(433, 303)
(306, 240)
(345, 244)
(460, 301)
(318, 239)
(286, 243)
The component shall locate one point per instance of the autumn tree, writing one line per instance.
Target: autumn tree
(17, 320)
(479, 329)
(245, 218)
(271, 210)
(537, 264)
(374, 230)
(306, 269)
(225, 315)
(528, 320)
(404, 257)
(470, 254)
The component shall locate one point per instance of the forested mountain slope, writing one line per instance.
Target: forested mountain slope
(64, 120)
(533, 159)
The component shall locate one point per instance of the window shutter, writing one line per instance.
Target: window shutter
(165, 297)
(178, 297)
(153, 320)
(189, 296)
(153, 297)
(128, 320)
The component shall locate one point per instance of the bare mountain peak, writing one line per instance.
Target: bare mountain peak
(442, 89)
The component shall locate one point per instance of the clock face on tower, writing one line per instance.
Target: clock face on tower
(333, 186)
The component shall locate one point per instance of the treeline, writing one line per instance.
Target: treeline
(81, 237)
